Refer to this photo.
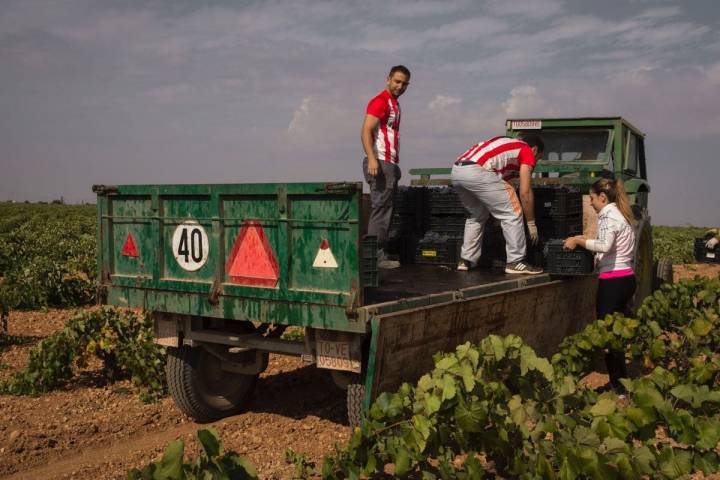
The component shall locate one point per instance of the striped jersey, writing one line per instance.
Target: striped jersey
(386, 136)
(501, 155)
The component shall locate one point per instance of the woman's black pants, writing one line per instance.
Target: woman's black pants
(613, 296)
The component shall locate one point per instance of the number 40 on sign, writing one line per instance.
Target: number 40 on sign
(190, 245)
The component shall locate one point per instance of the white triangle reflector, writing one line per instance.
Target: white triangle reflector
(325, 257)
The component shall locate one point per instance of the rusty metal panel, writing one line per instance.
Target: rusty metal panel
(542, 315)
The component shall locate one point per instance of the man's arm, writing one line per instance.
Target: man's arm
(526, 193)
(527, 199)
(366, 136)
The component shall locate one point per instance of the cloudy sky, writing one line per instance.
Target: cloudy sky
(115, 92)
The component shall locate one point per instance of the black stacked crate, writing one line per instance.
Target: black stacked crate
(407, 224)
(493, 246)
(560, 261)
(703, 255)
(558, 211)
(436, 249)
(445, 213)
(368, 261)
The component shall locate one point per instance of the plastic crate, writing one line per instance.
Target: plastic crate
(493, 256)
(703, 255)
(559, 226)
(404, 223)
(446, 225)
(557, 200)
(438, 250)
(368, 261)
(560, 261)
(409, 200)
(444, 201)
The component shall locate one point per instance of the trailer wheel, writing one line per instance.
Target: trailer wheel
(355, 398)
(200, 388)
(663, 273)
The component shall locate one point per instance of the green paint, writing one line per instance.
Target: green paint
(295, 219)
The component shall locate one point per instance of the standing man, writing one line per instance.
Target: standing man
(480, 177)
(381, 141)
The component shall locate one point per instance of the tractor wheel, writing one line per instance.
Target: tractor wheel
(663, 273)
(199, 386)
(355, 398)
(643, 267)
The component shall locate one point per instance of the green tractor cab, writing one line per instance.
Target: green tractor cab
(580, 150)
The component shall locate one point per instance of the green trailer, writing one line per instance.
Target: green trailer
(227, 268)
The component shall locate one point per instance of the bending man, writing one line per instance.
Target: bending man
(480, 177)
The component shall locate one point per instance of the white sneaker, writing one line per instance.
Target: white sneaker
(463, 266)
(523, 268)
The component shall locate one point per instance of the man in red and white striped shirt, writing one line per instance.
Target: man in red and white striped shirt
(380, 137)
(480, 177)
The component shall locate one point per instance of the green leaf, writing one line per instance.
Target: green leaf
(432, 403)
(497, 346)
(210, 441)
(675, 463)
(470, 417)
(446, 363)
(422, 425)
(614, 446)
(603, 407)
(170, 465)
(402, 461)
(701, 327)
(468, 377)
(448, 390)
(586, 437)
(644, 459)
(647, 396)
(708, 433)
(517, 412)
(568, 468)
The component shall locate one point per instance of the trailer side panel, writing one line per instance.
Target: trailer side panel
(542, 315)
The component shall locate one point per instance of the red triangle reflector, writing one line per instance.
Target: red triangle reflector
(252, 261)
(130, 248)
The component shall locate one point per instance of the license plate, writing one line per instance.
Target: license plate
(336, 356)
(429, 253)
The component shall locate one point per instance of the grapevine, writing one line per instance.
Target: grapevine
(497, 409)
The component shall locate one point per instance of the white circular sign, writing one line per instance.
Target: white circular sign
(190, 245)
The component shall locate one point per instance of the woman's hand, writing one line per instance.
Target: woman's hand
(571, 243)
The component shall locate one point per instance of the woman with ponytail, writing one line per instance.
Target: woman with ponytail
(614, 250)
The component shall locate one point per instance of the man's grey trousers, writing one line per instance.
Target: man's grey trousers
(484, 193)
(382, 192)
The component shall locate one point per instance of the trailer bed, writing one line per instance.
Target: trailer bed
(411, 281)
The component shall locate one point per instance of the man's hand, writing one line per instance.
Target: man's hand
(373, 167)
(712, 243)
(533, 232)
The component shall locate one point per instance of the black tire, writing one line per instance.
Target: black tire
(201, 389)
(663, 273)
(355, 398)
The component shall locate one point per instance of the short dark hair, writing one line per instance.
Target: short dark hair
(533, 140)
(399, 68)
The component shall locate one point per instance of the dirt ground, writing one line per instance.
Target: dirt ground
(94, 430)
